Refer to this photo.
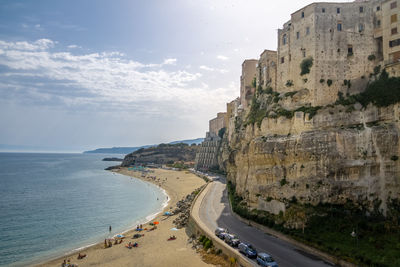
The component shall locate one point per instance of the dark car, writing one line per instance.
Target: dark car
(266, 260)
(220, 232)
(247, 250)
(232, 240)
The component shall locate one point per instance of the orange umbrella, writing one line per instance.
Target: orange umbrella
(155, 222)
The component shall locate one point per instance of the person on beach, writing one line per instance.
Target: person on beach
(109, 229)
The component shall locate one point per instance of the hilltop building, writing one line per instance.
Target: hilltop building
(340, 45)
(247, 88)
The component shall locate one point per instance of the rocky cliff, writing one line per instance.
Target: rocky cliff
(162, 154)
(333, 154)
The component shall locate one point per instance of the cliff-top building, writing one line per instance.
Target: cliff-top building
(247, 89)
(341, 43)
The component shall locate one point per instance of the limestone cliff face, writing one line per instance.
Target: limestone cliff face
(334, 157)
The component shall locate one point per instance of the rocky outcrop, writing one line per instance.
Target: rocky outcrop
(182, 209)
(162, 154)
(341, 154)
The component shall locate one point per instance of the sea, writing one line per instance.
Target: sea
(54, 204)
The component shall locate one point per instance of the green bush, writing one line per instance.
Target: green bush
(306, 65)
(256, 114)
(322, 80)
(312, 111)
(329, 82)
(371, 57)
(208, 244)
(382, 92)
(289, 83)
(285, 113)
(221, 132)
(283, 182)
(290, 94)
(394, 158)
(254, 82)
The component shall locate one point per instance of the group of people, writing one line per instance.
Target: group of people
(67, 263)
(130, 245)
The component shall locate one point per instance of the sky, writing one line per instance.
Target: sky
(78, 75)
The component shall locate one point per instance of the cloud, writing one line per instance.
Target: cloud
(206, 68)
(35, 73)
(74, 46)
(41, 44)
(170, 61)
(221, 57)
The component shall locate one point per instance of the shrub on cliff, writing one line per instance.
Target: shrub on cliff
(382, 92)
(256, 114)
(306, 65)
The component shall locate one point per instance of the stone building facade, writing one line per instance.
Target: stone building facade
(266, 69)
(218, 123)
(206, 157)
(339, 40)
(388, 29)
(249, 71)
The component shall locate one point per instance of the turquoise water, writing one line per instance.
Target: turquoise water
(51, 204)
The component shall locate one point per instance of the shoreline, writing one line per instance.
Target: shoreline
(170, 191)
(147, 218)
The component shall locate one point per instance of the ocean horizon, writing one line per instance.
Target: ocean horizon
(52, 204)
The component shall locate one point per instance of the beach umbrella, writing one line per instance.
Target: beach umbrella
(167, 213)
(174, 229)
(155, 222)
(120, 236)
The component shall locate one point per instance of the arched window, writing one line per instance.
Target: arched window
(284, 39)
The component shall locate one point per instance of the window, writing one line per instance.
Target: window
(378, 23)
(339, 27)
(394, 30)
(304, 52)
(393, 5)
(349, 50)
(302, 14)
(378, 8)
(394, 43)
(307, 30)
(360, 27)
(297, 35)
(284, 39)
(361, 9)
(338, 10)
(282, 59)
(393, 18)
(323, 10)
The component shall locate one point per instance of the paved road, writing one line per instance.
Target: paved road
(215, 212)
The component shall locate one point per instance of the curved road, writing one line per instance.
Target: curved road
(215, 212)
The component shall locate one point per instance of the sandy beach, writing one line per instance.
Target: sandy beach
(153, 249)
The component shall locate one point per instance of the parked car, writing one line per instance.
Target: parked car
(219, 231)
(247, 250)
(232, 240)
(266, 260)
